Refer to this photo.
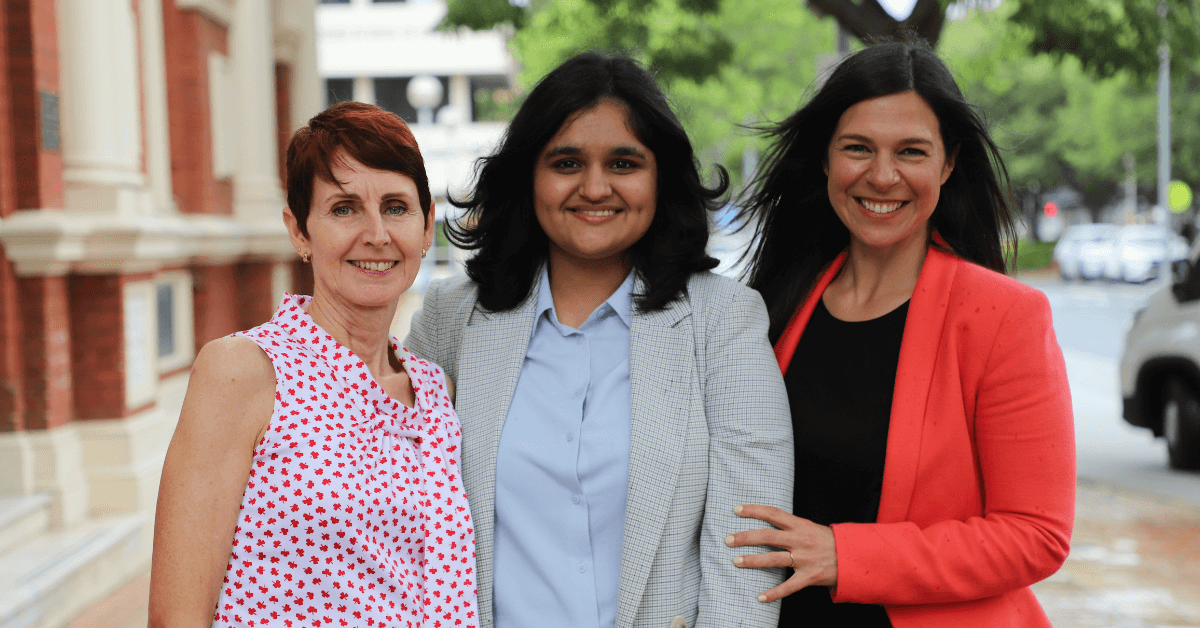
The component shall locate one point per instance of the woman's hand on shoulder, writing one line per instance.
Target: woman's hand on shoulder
(230, 398)
(808, 548)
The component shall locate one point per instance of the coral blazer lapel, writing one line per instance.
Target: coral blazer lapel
(663, 386)
(919, 351)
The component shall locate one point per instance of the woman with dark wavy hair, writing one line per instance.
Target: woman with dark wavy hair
(617, 399)
(935, 467)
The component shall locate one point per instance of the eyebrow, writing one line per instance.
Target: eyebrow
(349, 196)
(622, 150)
(865, 139)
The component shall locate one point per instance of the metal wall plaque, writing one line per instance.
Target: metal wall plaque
(51, 139)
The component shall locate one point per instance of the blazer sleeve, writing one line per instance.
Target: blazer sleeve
(1024, 438)
(424, 333)
(750, 457)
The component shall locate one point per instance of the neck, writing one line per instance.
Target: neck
(365, 331)
(875, 280)
(580, 286)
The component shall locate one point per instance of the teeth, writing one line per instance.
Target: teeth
(598, 213)
(881, 208)
(375, 266)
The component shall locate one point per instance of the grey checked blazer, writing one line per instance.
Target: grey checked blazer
(711, 430)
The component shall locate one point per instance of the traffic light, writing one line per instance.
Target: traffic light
(1051, 210)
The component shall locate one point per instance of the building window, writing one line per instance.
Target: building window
(166, 319)
(338, 90)
(491, 99)
(173, 311)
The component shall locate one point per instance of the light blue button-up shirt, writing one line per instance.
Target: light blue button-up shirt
(562, 471)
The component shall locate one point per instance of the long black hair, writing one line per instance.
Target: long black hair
(500, 224)
(797, 232)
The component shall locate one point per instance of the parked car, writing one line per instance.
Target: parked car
(1160, 366)
(1142, 252)
(1082, 250)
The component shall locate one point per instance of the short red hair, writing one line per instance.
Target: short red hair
(374, 136)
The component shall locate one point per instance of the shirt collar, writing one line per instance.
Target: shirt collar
(621, 300)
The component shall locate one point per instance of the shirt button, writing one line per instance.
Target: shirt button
(575, 499)
(579, 391)
(570, 437)
(582, 568)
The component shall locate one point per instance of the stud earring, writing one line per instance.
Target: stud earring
(303, 256)
(423, 252)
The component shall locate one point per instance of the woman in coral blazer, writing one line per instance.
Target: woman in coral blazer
(934, 436)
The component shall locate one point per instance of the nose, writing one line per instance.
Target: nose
(883, 173)
(374, 233)
(595, 186)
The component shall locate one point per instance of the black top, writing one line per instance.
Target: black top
(840, 384)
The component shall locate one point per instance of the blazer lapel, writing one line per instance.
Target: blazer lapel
(664, 387)
(493, 351)
(919, 350)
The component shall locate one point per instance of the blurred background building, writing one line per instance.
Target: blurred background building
(140, 198)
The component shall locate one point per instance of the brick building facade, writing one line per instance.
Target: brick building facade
(140, 198)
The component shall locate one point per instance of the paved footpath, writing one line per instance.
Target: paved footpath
(1135, 563)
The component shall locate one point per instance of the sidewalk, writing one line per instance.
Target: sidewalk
(1135, 563)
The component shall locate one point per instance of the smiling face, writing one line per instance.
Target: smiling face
(595, 187)
(886, 166)
(365, 236)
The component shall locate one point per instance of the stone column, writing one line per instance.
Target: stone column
(154, 86)
(364, 89)
(298, 19)
(460, 97)
(100, 108)
(257, 194)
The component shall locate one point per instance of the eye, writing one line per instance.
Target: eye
(913, 152)
(566, 164)
(623, 164)
(342, 210)
(395, 209)
(856, 148)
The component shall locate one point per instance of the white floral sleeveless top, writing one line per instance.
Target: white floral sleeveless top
(354, 513)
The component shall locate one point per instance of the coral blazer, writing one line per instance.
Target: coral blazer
(979, 480)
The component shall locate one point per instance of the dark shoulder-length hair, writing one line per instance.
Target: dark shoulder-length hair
(797, 231)
(501, 227)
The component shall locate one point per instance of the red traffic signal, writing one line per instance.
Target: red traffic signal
(1051, 210)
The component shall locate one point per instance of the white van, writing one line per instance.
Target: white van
(1160, 366)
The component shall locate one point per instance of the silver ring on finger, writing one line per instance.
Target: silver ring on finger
(792, 560)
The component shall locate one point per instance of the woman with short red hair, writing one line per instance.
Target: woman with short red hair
(313, 478)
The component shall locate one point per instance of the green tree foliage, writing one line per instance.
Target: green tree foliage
(675, 36)
(1059, 120)
(1109, 36)
(482, 15)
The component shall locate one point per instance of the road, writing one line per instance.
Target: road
(1135, 550)
(1090, 320)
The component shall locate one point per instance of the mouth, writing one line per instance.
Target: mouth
(878, 207)
(596, 213)
(377, 267)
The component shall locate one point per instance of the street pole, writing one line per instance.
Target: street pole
(1164, 114)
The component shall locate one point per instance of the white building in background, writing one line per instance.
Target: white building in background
(387, 52)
